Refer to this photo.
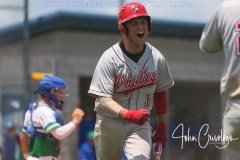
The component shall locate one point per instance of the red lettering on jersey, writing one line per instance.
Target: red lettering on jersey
(238, 26)
(127, 83)
(238, 38)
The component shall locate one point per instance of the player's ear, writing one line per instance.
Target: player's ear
(126, 29)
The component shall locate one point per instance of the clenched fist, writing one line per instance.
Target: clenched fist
(77, 116)
(138, 117)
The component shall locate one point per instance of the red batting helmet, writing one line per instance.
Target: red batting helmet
(130, 11)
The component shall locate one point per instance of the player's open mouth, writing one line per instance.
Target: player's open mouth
(140, 35)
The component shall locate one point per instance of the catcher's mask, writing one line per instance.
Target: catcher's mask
(50, 87)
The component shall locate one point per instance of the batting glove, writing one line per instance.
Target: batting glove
(138, 117)
(160, 134)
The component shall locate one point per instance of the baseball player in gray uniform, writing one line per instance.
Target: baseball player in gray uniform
(223, 33)
(130, 79)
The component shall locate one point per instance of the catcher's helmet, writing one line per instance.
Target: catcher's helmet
(130, 11)
(48, 85)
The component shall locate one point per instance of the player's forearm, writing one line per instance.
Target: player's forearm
(108, 105)
(64, 131)
(160, 105)
(122, 113)
(161, 118)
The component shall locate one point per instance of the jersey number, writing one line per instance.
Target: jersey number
(238, 38)
(147, 100)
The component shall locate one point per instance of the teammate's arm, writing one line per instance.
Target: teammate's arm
(107, 104)
(67, 129)
(211, 40)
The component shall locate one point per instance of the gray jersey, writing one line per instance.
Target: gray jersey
(131, 84)
(223, 33)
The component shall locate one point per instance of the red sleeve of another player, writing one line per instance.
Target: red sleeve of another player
(160, 102)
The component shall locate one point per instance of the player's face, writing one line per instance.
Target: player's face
(138, 30)
(59, 94)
